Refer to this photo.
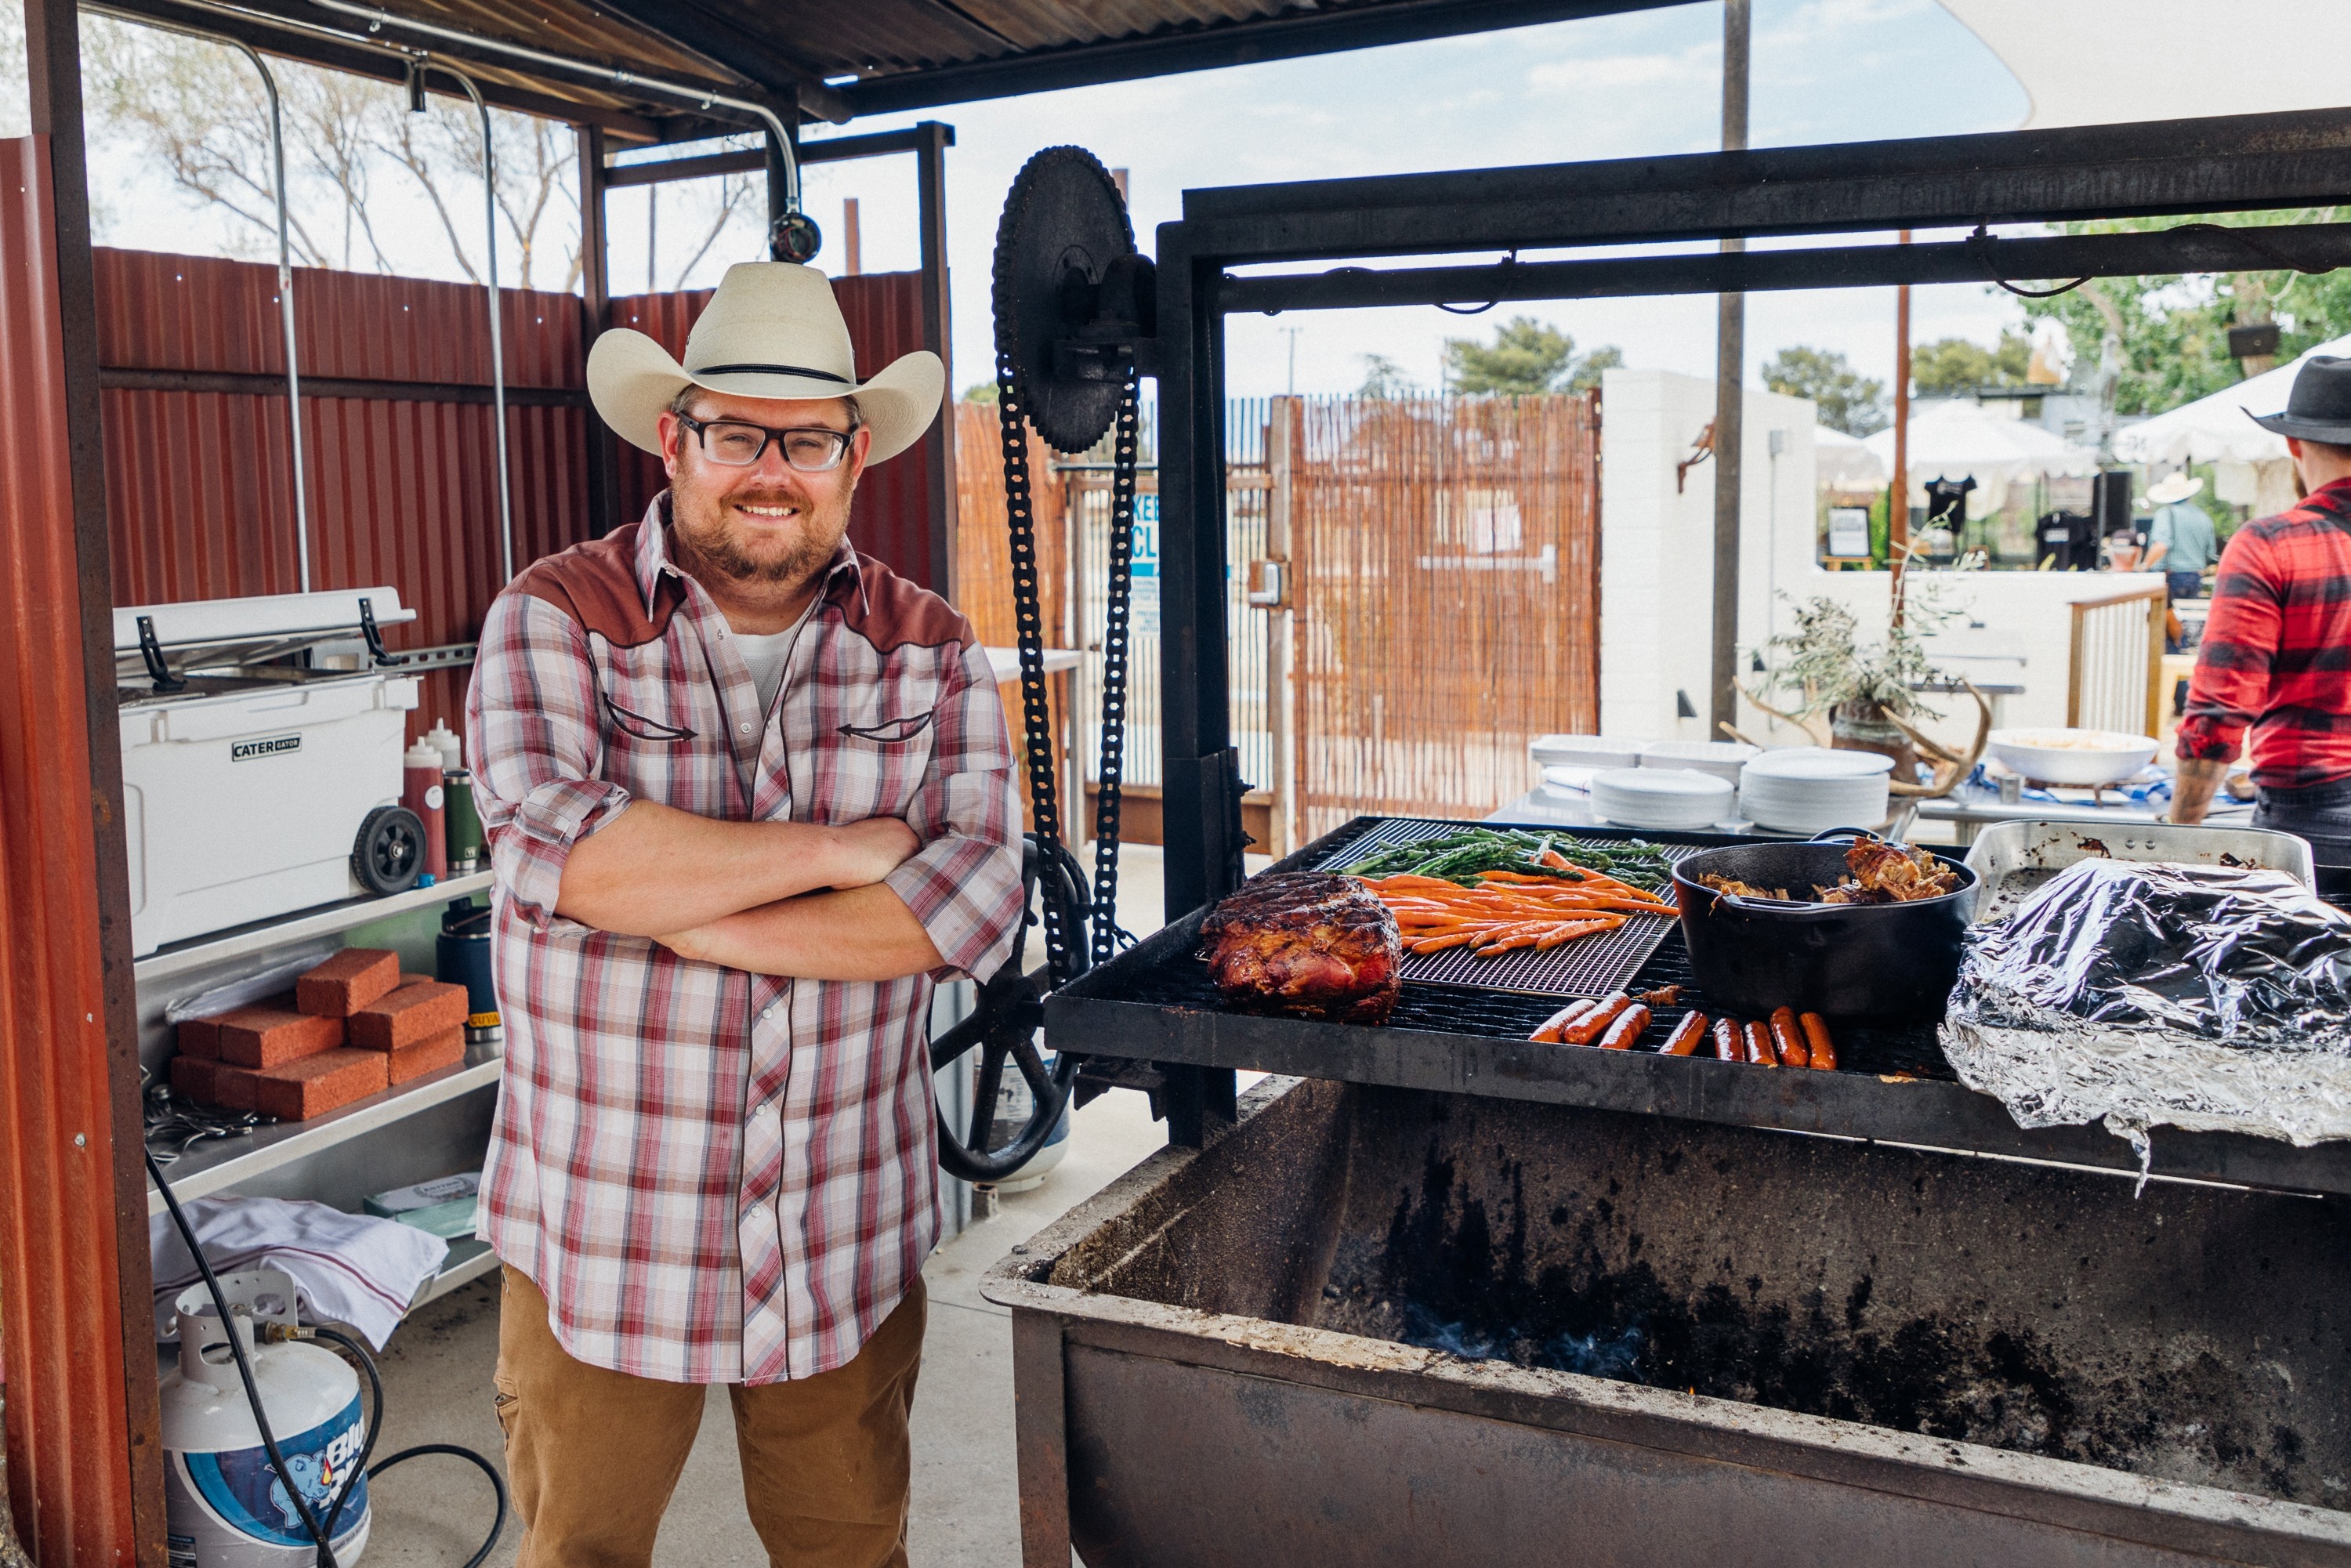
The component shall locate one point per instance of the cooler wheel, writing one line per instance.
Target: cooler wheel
(390, 851)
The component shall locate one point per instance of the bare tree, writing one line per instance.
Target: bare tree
(734, 193)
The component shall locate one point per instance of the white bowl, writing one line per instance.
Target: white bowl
(2073, 756)
(1723, 758)
(1832, 803)
(1660, 797)
(1584, 751)
(1804, 764)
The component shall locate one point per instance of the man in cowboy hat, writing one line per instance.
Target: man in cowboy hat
(2276, 655)
(748, 795)
(2180, 541)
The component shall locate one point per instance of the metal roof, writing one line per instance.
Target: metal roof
(821, 59)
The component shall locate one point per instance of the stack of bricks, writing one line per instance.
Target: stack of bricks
(352, 1027)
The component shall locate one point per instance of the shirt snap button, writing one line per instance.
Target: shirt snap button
(746, 729)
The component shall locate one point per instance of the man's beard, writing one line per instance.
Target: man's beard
(716, 546)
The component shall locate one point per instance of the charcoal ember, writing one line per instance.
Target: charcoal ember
(1308, 942)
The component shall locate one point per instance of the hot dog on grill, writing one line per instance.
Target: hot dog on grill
(1729, 1040)
(1627, 1028)
(1549, 1031)
(1817, 1035)
(1593, 1024)
(1758, 1046)
(1687, 1034)
(1788, 1040)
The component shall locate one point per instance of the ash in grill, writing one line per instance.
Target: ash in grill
(2193, 1335)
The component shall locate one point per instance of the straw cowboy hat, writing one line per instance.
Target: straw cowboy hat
(2174, 487)
(773, 330)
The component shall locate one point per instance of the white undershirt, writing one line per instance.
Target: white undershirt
(767, 656)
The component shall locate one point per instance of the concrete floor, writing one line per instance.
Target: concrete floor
(436, 1374)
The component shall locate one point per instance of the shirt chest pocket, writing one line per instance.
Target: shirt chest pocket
(875, 760)
(652, 732)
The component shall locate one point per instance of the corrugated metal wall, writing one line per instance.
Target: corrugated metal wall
(404, 489)
(890, 516)
(59, 1266)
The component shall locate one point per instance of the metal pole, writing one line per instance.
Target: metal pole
(939, 441)
(595, 303)
(497, 342)
(1897, 497)
(1729, 364)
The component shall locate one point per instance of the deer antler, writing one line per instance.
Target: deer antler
(1950, 768)
(1820, 737)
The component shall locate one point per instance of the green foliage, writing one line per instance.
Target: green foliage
(1384, 379)
(1527, 357)
(1846, 399)
(1824, 665)
(979, 391)
(2174, 330)
(1955, 365)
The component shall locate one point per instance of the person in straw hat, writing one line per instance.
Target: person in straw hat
(748, 794)
(2276, 655)
(2179, 542)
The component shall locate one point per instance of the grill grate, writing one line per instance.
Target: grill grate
(1589, 966)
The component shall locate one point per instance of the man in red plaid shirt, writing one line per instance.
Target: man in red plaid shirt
(2276, 655)
(748, 795)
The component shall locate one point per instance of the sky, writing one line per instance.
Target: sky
(1824, 70)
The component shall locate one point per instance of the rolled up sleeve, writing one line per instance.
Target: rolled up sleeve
(963, 882)
(2231, 685)
(531, 722)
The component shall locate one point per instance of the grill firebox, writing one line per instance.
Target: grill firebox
(1807, 1349)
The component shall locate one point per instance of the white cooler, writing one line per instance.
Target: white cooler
(245, 790)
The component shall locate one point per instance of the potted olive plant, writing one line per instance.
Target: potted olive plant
(1823, 670)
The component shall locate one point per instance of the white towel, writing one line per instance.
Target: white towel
(346, 1268)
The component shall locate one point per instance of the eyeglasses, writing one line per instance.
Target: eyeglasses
(737, 445)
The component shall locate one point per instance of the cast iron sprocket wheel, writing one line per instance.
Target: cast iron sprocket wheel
(390, 851)
(1064, 211)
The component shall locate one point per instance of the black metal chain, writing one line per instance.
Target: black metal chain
(1028, 625)
(1125, 449)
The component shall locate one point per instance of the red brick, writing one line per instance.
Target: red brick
(235, 1088)
(273, 1033)
(318, 1084)
(347, 981)
(441, 1050)
(410, 1016)
(200, 1036)
(193, 1076)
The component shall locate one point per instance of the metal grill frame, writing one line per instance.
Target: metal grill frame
(1154, 1004)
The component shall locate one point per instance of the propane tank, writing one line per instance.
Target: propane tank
(224, 1504)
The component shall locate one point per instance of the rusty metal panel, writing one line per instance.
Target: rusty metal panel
(68, 1436)
(402, 492)
(891, 517)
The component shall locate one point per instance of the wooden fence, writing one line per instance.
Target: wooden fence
(1445, 559)
(1439, 607)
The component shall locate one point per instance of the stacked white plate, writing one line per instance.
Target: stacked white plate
(1666, 798)
(1723, 758)
(1806, 790)
(1584, 751)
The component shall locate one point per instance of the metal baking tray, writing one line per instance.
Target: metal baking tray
(2013, 859)
(1589, 966)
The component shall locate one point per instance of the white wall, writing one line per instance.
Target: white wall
(1656, 572)
(1657, 545)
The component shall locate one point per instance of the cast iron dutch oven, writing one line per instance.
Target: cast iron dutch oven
(1881, 962)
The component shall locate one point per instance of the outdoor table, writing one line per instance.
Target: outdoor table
(1969, 808)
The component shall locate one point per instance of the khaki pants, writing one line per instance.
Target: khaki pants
(593, 1455)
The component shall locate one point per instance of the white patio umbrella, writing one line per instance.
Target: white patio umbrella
(1842, 461)
(2251, 468)
(2108, 62)
(1956, 438)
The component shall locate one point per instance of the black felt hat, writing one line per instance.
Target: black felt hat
(2319, 407)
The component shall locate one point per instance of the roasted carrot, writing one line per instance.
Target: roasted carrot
(1729, 1040)
(1627, 1028)
(1817, 1035)
(1684, 1040)
(1547, 1031)
(1758, 1046)
(1591, 1025)
(1788, 1040)
(1449, 939)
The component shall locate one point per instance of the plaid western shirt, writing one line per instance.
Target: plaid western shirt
(2276, 654)
(716, 1176)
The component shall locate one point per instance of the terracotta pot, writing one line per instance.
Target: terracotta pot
(1861, 727)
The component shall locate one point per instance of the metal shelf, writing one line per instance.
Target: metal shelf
(326, 920)
(469, 1259)
(217, 1166)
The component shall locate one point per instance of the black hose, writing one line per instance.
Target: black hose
(497, 1485)
(244, 1368)
(375, 1420)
